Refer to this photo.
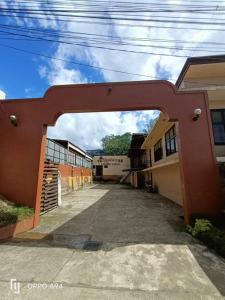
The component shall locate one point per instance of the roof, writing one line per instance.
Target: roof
(199, 60)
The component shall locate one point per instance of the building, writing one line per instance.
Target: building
(110, 167)
(138, 159)
(198, 73)
(163, 170)
(67, 168)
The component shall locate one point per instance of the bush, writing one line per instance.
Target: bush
(12, 213)
(210, 235)
(7, 218)
(200, 226)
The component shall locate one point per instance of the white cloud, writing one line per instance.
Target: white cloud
(88, 129)
(61, 74)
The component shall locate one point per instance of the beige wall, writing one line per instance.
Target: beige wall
(134, 179)
(168, 181)
(158, 132)
(165, 172)
(116, 164)
(209, 77)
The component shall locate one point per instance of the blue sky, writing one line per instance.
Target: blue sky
(29, 75)
(21, 78)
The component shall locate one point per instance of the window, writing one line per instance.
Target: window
(171, 141)
(218, 124)
(158, 150)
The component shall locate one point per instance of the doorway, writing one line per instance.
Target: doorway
(99, 171)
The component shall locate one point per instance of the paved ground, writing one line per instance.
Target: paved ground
(110, 242)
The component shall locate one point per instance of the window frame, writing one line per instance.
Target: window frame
(171, 140)
(158, 155)
(222, 111)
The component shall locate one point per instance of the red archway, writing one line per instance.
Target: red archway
(22, 147)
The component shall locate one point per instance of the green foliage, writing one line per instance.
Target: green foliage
(201, 225)
(116, 144)
(212, 236)
(12, 213)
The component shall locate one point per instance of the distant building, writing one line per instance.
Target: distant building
(110, 167)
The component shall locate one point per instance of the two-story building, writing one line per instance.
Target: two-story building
(198, 73)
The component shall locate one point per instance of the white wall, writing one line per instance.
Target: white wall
(115, 164)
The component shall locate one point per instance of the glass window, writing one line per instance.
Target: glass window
(171, 141)
(218, 124)
(59, 154)
(158, 153)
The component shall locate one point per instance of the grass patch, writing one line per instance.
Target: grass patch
(209, 234)
(10, 214)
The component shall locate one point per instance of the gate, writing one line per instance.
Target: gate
(49, 196)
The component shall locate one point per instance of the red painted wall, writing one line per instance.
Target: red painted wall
(73, 177)
(22, 148)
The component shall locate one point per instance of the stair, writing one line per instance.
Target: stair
(122, 180)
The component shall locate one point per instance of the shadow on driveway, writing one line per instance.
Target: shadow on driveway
(109, 216)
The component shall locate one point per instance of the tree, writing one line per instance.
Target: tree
(116, 144)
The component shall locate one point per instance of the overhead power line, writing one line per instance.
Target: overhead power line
(77, 63)
(116, 3)
(116, 13)
(71, 34)
(99, 14)
(88, 43)
(99, 68)
(221, 29)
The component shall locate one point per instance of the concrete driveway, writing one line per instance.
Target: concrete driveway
(110, 242)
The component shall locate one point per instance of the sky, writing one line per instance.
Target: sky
(43, 47)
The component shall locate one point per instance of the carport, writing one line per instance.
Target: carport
(23, 140)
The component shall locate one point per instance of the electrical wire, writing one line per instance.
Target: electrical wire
(93, 44)
(110, 14)
(77, 63)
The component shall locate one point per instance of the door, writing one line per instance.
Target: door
(99, 171)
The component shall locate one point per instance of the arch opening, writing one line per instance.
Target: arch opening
(199, 175)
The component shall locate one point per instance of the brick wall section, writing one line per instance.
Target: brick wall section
(73, 178)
